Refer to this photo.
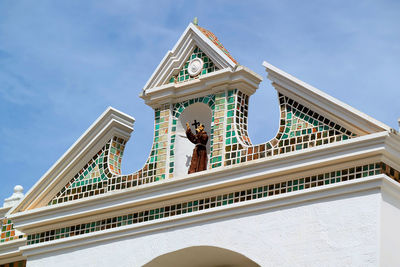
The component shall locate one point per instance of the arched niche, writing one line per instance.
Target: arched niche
(201, 256)
(183, 147)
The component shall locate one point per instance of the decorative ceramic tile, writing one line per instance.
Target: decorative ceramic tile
(241, 110)
(389, 171)
(89, 181)
(184, 74)
(300, 128)
(217, 132)
(215, 40)
(15, 264)
(8, 233)
(155, 167)
(214, 201)
(103, 172)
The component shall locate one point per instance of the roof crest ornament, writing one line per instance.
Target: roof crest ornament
(15, 197)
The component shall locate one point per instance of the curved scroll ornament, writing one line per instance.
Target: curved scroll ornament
(300, 128)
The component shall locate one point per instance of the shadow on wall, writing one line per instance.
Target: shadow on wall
(201, 256)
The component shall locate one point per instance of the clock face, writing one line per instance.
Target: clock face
(195, 66)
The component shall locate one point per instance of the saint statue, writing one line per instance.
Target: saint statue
(199, 157)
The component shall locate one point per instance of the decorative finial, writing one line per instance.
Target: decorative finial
(15, 197)
(196, 21)
(18, 189)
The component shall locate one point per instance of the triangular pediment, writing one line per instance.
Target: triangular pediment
(206, 66)
(321, 103)
(87, 162)
(193, 39)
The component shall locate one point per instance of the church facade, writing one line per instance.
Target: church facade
(324, 191)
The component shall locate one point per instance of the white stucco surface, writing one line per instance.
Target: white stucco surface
(390, 231)
(333, 231)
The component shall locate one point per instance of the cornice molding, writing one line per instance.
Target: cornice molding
(3, 211)
(111, 123)
(241, 78)
(366, 148)
(174, 59)
(330, 106)
(10, 251)
(372, 185)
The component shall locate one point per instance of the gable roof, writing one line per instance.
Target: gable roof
(349, 117)
(175, 58)
(215, 40)
(111, 123)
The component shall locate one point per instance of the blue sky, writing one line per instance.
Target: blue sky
(62, 63)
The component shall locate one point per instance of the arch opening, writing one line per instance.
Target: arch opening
(202, 256)
(183, 147)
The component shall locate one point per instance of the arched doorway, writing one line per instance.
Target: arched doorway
(183, 147)
(202, 256)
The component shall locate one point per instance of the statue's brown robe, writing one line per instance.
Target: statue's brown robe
(199, 157)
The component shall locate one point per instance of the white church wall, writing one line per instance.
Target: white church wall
(340, 230)
(352, 222)
(389, 228)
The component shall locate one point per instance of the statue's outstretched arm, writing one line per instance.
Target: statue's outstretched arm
(190, 135)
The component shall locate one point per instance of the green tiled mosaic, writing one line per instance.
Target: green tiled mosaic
(183, 75)
(91, 179)
(240, 108)
(215, 201)
(103, 172)
(155, 167)
(217, 133)
(300, 128)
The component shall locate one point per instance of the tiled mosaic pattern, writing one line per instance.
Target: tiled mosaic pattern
(183, 74)
(217, 131)
(214, 201)
(389, 171)
(15, 264)
(240, 109)
(8, 233)
(178, 108)
(103, 172)
(215, 40)
(115, 153)
(155, 167)
(300, 128)
(89, 181)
